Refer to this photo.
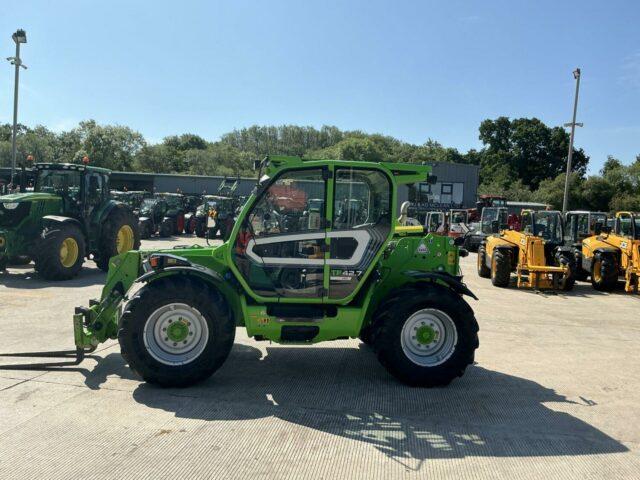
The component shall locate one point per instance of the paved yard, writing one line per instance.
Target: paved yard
(555, 394)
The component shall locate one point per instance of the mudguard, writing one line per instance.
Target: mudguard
(455, 283)
(53, 220)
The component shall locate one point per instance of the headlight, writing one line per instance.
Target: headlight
(11, 206)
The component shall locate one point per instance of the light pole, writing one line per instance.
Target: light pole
(573, 125)
(20, 36)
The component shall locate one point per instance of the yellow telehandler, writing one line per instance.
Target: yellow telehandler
(536, 254)
(610, 254)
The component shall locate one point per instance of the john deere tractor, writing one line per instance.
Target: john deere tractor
(536, 254)
(175, 312)
(68, 217)
(610, 254)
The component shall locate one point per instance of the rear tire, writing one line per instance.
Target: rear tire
(120, 233)
(483, 270)
(166, 228)
(445, 344)
(500, 269)
(604, 272)
(61, 252)
(199, 346)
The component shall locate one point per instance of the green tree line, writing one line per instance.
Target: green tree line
(521, 158)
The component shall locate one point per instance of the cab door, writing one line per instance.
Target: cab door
(280, 248)
(360, 222)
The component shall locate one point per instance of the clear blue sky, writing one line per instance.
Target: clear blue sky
(414, 70)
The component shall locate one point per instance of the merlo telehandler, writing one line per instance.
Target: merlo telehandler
(536, 254)
(612, 253)
(175, 312)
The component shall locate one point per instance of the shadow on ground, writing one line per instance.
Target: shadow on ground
(346, 392)
(26, 277)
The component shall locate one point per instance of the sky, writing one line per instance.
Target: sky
(411, 69)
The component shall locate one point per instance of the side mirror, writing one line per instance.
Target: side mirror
(597, 228)
(432, 179)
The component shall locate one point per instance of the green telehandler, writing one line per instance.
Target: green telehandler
(68, 217)
(175, 312)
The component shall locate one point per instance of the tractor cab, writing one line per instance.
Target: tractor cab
(435, 222)
(581, 224)
(546, 224)
(627, 224)
(81, 188)
(493, 220)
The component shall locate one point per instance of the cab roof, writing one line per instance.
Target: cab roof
(403, 173)
(71, 166)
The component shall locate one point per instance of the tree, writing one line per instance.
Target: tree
(533, 151)
(154, 159)
(551, 191)
(109, 146)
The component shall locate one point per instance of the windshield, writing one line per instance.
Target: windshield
(63, 182)
(493, 220)
(548, 226)
(626, 226)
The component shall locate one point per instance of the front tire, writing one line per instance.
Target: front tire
(176, 332)
(425, 336)
(120, 233)
(604, 273)
(61, 253)
(483, 270)
(500, 268)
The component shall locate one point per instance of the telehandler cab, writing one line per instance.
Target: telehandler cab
(536, 254)
(610, 254)
(581, 224)
(175, 312)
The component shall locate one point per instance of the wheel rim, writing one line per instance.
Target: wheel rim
(124, 239)
(69, 252)
(597, 271)
(429, 337)
(176, 334)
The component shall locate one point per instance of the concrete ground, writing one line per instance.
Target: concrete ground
(554, 394)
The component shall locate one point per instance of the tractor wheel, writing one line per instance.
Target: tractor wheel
(179, 224)
(580, 273)
(604, 272)
(19, 260)
(425, 336)
(176, 332)
(483, 270)
(166, 228)
(120, 233)
(191, 226)
(145, 230)
(500, 268)
(564, 258)
(201, 227)
(61, 252)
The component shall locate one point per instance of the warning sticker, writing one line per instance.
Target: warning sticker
(422, 248)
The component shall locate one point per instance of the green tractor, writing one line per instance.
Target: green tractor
(68, 217)
(394, 287)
